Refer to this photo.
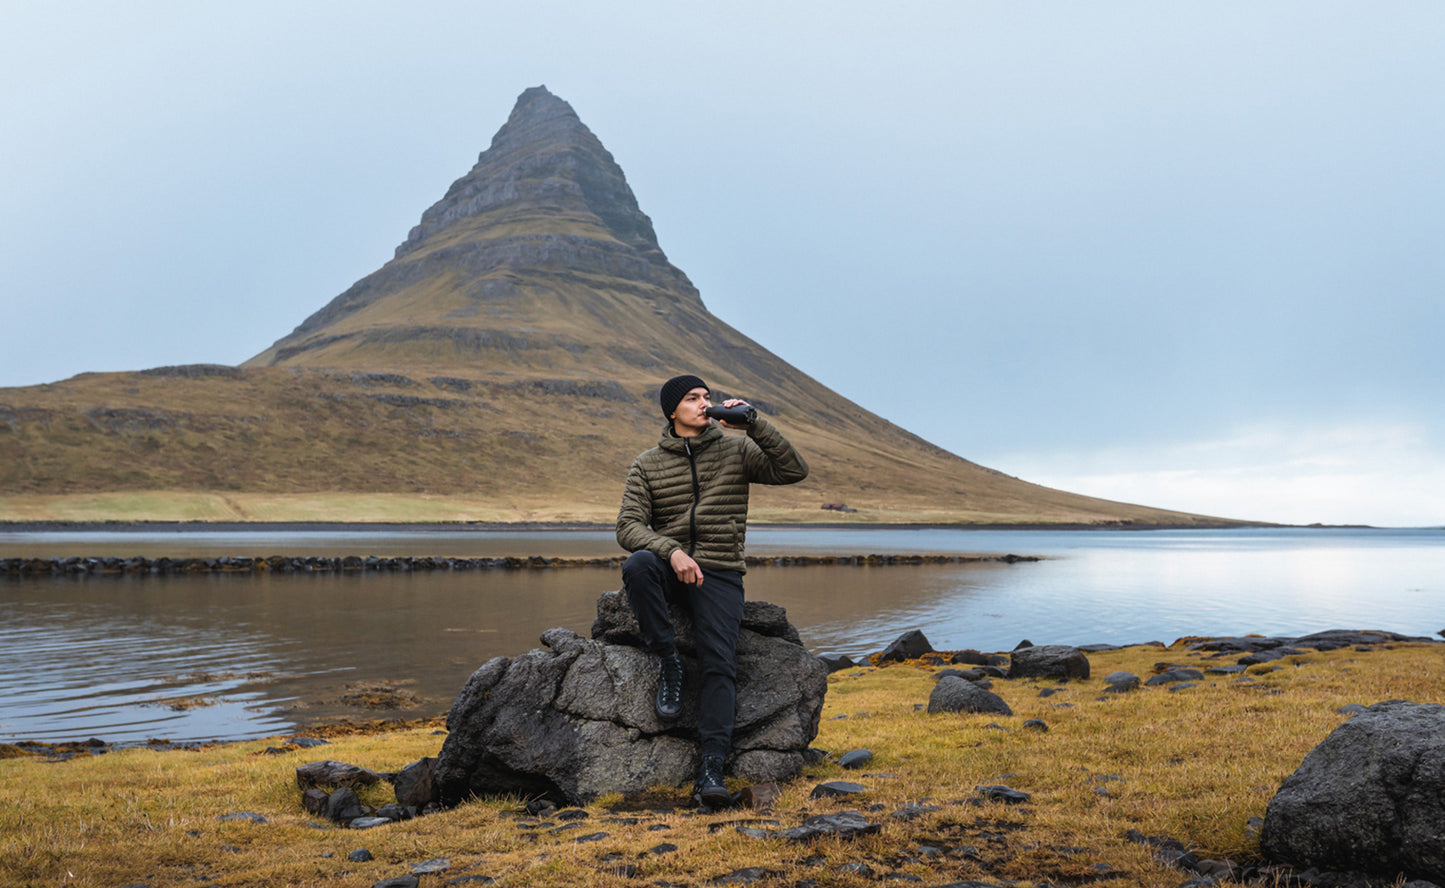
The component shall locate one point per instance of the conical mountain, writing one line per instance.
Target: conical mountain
(503, 365)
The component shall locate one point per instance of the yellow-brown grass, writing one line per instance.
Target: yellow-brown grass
(1194, 765)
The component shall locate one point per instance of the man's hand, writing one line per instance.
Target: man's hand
(734, 402)
(685, 568)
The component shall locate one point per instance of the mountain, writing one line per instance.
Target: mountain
(503, 365)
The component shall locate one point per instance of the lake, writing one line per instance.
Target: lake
(224, 656)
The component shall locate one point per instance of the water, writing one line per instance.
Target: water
(228, 656)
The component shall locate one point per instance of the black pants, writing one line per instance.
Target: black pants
(717, 612)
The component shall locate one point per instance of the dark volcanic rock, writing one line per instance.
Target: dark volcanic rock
(953, 694)
(1048, 661)
(1369, 799)
(577, 720)
(909, 646)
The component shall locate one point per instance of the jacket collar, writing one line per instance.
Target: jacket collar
(670, 439)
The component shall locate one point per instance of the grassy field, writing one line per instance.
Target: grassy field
(1193, 765)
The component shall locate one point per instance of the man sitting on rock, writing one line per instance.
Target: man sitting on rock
(684, 519)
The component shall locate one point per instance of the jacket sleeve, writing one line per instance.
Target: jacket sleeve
(634, 519)
(773, 460)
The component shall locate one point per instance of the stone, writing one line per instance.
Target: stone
(407, 881)
(760, 796)
(969, 657)
(248, 816)
(343, 806)
(836, 788)
(953, 694)
(856, 758)
(1004, 794)
(1121, 682)
(909, 646)
(577, 720)
(838, 663)
(842, 825)
(1036, 724)
(1048, 661)
(1370, 798)
(415, 784)
(314, 800)
(1177, 674)
(368, 822)
(329, 773)
(360, 855)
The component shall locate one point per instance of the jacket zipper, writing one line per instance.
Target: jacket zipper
(696, 495)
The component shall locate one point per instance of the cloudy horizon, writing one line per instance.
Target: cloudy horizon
(1184, 255)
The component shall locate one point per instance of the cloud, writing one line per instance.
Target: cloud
(1386, 475)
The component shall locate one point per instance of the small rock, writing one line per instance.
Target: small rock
(745, 876)
(243, 815)
(1121, 682)
(435, 865)
(909, 646)
(1003, 794)
(367, 822)
(856, 758)
(406, 881)
(956, 695)
(360, 855)
(843, 825)
(591, 837)
(837, 788)
(1175, 675)
(664, 848)
(760, 796)
(1036, 724)
(329, 773)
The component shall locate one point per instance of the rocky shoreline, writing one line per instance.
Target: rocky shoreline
(118, 566)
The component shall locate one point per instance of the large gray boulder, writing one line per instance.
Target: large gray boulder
(576, 720)
(954, 694)
(1369, 799)
(1048, 661)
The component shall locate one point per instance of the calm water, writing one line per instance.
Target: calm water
(227, 657)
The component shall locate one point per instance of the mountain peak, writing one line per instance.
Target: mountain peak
(543, 159)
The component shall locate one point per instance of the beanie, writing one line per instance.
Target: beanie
(674, 389)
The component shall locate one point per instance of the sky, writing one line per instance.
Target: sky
(1185, 254)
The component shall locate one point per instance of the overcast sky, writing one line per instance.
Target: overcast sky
(1187, 254)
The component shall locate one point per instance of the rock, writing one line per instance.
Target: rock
(953, 694)
(1036, 724)
(368, 822)
(1176, 674)
(999, 793)
(760, 796)
(329, 773)
(434, 865)
(314, 800)
(843, 825)
(1049, 661)
(343, 806)
(857, 758)
(1121, 682)
(836, 788)
(969, 657)
(909, 646)
(248, 816)
(1370, 798)
(415, 784)
(360, 855)
(745, 876)
(406, 881)
(576, 721)
(838, 663)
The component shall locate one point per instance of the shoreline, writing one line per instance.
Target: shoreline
(586, 526)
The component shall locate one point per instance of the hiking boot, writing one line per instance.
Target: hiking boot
(669, 687)
(709, 789)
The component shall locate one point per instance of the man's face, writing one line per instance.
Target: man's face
(689, 419)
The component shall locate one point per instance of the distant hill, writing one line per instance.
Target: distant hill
(503, 366)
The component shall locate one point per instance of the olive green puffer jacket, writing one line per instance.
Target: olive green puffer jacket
(692, 493)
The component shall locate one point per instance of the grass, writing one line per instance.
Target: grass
(1193, 765)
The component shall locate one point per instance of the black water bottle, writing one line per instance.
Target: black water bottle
(741, 415)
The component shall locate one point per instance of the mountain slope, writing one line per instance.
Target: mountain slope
(503, 365)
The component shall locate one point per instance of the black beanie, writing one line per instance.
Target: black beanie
(674, 389)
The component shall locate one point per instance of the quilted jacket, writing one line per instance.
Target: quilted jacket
(692, 493)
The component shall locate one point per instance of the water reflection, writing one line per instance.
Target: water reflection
(249, 655)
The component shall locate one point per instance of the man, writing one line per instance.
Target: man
(684, 519)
